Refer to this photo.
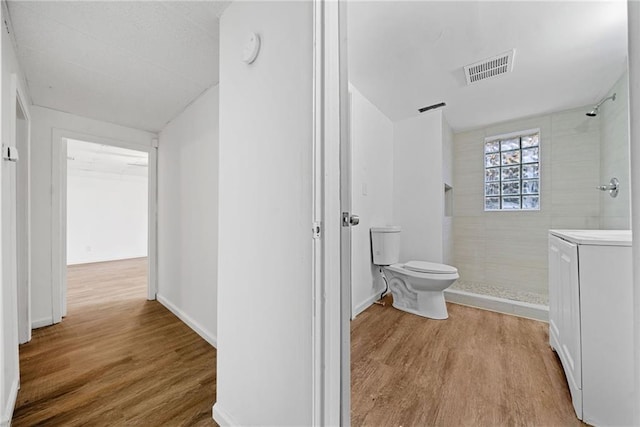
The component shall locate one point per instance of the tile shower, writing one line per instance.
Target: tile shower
(504, 254)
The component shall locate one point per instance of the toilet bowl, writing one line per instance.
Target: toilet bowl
(417, 287)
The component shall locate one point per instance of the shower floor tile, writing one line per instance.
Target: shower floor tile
(501, 292)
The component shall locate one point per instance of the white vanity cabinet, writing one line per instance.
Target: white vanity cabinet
(591, 321)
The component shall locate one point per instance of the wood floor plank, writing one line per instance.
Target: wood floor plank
(116, 359)
(476, 368)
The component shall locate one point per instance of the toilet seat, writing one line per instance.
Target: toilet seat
(429, 267)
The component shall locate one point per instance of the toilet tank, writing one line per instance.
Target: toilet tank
(385, 243)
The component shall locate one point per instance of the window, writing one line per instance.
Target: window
(512, 172)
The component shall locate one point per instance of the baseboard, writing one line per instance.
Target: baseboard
(7, 414)
(499, 305)
(222, 417)
(365, 304)
(100, 261)
(208, 337)
(41, 323)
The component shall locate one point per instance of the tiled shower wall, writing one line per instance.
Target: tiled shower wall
(447, 177)
(614, 156)
(509, 249)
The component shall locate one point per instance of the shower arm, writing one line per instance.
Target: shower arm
(612, 97)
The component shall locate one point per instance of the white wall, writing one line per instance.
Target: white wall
(418, 186)
(615, 213)
(372, 194)
(265, 360)
(9, 373)
(107, 216)
(509, 249)
(44, 121)
(188, 215)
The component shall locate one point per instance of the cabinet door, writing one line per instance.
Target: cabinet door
(564, 313)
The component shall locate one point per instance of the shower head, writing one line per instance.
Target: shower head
(596, 109)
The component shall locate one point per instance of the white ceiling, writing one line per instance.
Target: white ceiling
(406, 55)
(137, 64)
(87, 157)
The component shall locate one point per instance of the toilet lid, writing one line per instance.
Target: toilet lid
(430, 267)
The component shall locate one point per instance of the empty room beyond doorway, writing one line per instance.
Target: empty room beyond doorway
(107, 211)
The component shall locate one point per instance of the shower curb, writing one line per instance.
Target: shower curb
(500, 305)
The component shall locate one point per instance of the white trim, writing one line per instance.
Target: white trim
(336, 199)
(337, 92)
(498, 305)
(58, 226)
(24, 329)
(222, 417)
(59, 212)
(328, 130)
(152, 223)
(368, 302)
(11, 404)
(189, 321)
(318, 323)
(41, 323)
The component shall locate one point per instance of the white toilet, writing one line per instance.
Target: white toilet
(417, 286)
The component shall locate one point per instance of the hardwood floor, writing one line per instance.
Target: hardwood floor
(477, 368)
(116, 359)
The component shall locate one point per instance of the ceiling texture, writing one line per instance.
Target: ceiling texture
(137, 64)
(406, 55)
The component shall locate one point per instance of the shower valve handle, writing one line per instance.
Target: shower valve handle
(613, 187)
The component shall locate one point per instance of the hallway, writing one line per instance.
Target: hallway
(116, 359)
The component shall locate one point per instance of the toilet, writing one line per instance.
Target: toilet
(417, 286)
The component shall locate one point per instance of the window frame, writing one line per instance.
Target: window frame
(502, 137)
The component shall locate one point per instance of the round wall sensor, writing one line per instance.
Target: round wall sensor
(251, 48)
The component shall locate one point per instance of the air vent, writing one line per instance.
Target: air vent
(490, 67)
(431, 107)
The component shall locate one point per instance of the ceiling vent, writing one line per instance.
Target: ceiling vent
(490, 67)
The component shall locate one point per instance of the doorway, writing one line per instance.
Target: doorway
(16, 213)
(104, 204)
(107, 231)
(391, 84)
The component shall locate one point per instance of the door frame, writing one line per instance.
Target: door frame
(22, 270)
(633, 28)
(345, 208)
(59, 213)
(331, 288)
